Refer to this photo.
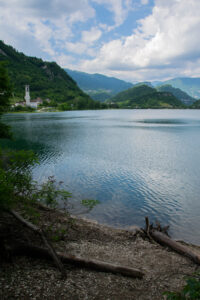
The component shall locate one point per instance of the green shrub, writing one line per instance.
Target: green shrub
(191, 290)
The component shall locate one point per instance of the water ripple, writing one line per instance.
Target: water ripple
(136, 162)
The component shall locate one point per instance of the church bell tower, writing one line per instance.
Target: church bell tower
(27, 95)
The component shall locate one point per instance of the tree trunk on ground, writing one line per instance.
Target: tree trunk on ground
(93, 264)
(166, 241)
(39, 231)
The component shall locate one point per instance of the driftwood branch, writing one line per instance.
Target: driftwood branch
(165, 240)
(148, 229)
(78, 261)
(39, 231)
(160, 235)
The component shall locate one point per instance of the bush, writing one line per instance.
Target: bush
(17, 186)
(191, 290)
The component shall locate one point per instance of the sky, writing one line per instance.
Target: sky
(134, 40)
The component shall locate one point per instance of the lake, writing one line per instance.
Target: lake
(137, 163)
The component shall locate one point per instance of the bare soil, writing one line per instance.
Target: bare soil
(28, 278)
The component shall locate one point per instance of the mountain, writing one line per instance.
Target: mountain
(156, 83)
(148, 83)
(191, 86)
(99, 87)
(46, 79)
(196, 104)
(143, 96)
(178, 93)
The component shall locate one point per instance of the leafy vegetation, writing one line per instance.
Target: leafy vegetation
(196, 105)
(21, 108)
(46, 79)
(178, 93)
(143, 96)
(89, 203)
(191, 290)
(99, 95)
(5, 93)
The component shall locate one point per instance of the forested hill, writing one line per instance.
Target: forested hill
(46, 79)
(98, 86)
(191, 86)
(178, 93)
(143, 96)
(196, 104)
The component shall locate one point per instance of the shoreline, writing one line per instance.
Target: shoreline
(29, 278)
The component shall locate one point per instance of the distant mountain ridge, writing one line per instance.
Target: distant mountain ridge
(98, 86)
(191, 86)
(178, 93)
(101, 87)
(46, 79)
(144, 96)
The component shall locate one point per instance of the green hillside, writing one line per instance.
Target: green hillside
(196, 105)
(46, 79)
(99, 95)
(178, 93)
(189, 85)
(98, 86)
(143, 96)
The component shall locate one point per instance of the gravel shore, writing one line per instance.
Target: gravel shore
(30, 278)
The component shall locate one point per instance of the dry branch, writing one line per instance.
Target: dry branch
(39, 231)
(148, 229)
(78, 261)
(160, 235)
(165, 240)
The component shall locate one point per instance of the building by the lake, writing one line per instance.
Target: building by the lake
(28, 102)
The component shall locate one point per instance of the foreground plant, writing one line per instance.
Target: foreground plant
(19, 191)
(191, 290)
(17, 186)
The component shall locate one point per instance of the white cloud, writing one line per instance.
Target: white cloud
(85, 45)
(48, 9)
(31, 25)
(164, 44)
(167, 39)
(80, 48)
(77, 48)
(91, 36)
(119, 8)
(66, 60)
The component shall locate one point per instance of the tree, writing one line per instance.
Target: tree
(5, 93)
(17, 187)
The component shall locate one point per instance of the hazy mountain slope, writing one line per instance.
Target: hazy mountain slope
(98, 86)
(178, 93)
(143, 96)
(189, 85)
(196, 104)
(46, 79)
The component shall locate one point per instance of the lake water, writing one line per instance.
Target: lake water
(137, 163)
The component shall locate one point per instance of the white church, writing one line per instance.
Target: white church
(29, 102)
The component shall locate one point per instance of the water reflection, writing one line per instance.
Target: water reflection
(136, 162)
(163, 121)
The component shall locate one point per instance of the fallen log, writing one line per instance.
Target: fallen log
(97, 265)
(166, 241)
(39, 231)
